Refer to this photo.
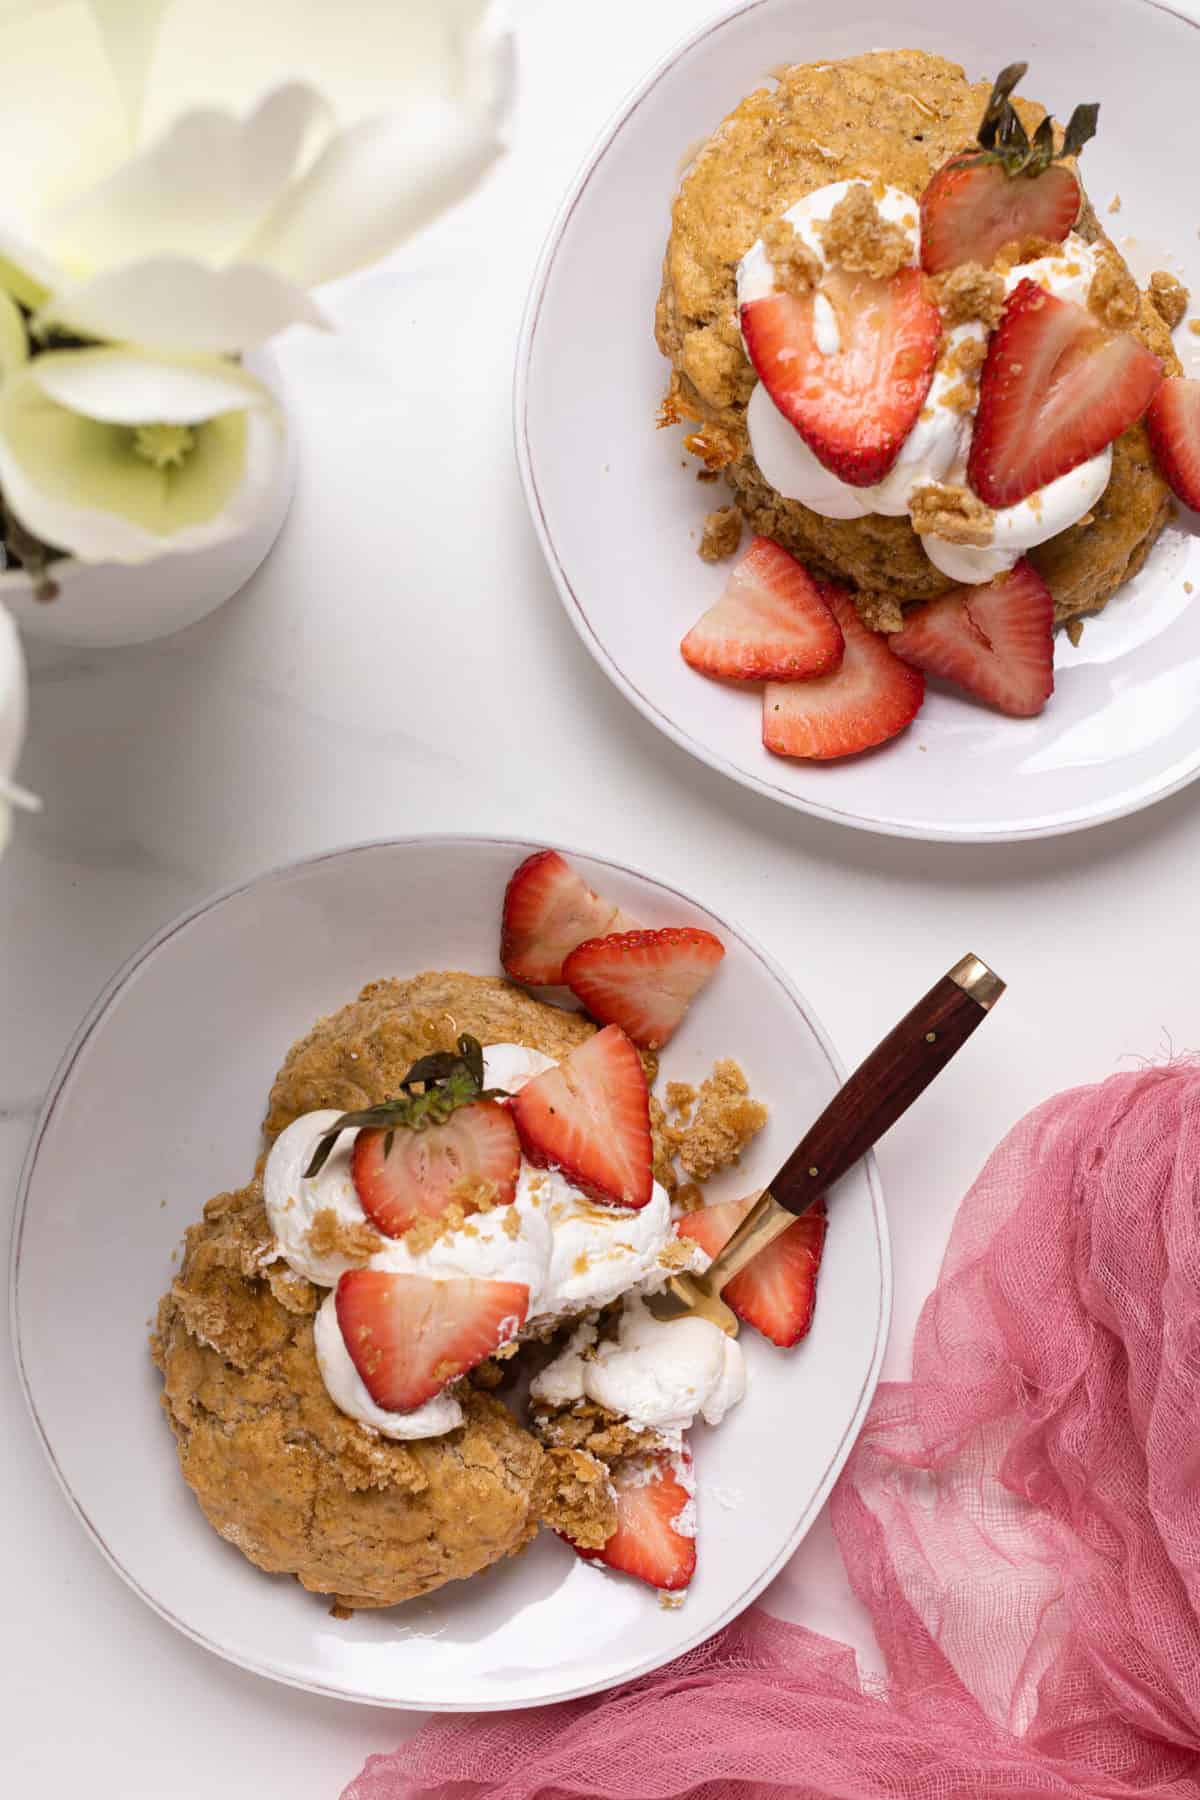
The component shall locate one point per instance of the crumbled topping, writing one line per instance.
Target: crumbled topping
(1113, 295)
(676, 1253)
(512, 1222)
(965, 358)
(670, 1600)
(795, 268)
(952, 513)
(721, 535)
(961, 397)
(716, 445)
(879, 612)
(681, 1097)
(328, 1235)
(689, 1198)
(724, 1122)
(1168, 297)
(424, 1233)
(1075, 631)
(860, 240)
(1194, 327)
(969, 292)
(1023, 250)
(1114, 205)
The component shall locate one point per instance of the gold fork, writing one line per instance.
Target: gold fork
(880, 1089)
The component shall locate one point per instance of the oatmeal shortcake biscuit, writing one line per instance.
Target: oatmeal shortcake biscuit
(892, 116)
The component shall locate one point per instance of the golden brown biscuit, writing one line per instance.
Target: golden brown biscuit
(898, 115)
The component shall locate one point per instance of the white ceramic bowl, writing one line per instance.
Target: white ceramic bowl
(618, 517)
(157, 1106)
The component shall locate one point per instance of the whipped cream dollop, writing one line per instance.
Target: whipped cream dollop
(660, 1377)
(936, 449)
(573, 1255)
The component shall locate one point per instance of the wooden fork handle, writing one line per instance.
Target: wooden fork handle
(887, 1083)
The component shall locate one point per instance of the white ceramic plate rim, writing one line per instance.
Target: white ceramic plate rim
(1158, 787)
(45, 1123)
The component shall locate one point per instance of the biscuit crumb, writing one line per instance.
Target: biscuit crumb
(1194, 327)
(969, 292)
(670, 1601)
(1075, 631)
(689, 1198)
(724, 1122)
(676, 1253)
(860, 240)
(422, 1235)
(681, 1097)
(716, 445)
(330, 1236)
(705, 474)
(1113, 296)
(952, 513)
(961, 397)
(879, 612)
(795, 268)
(1188, 588)
(1023, 250)
(512, 1222)
(339, 1610)
(1168, 297)
(722, 534)
(1114, 205)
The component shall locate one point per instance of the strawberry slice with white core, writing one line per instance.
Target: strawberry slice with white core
(868, 700)
(425, 1170)
(997, 641)
(854, 406)
(643, 981)
(1057, 387)
(1173, 423)
(548, 909)
(770, 623)
(655, 1539)
(971, 209)
(590, 1118)
(777, 1291)
(408, 1336)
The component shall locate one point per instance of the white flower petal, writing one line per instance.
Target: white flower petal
(129, 34)
(77, 483)
(12, 715)
(368, 57)
(138, 387)
(171, 303)
(14, 338)
(25, 273)
(200, 190)
(62, 114)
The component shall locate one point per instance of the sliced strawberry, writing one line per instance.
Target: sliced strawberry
(548, 909)
(972, 208)
(590, 1117)
(777, 1291)
(855, 406)
(997, 641)
(655, 1537)
(408, 1336)
(1057, 387)
(1173, 422)
(643, 981)
(770, 623)
(423, 1171)
(869, 699)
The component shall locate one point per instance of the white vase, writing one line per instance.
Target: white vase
(104, 605)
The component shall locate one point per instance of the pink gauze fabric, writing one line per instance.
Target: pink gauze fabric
(1022, 1520)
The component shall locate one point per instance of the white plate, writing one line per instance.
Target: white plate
(618, 517)
(157, 1106)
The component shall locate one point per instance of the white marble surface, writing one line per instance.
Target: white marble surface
(400, 664)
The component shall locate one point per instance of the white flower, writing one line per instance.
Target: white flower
(118, 455)
(12, 722)
(179, 173)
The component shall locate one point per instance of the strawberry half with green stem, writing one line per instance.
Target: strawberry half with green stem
(590, 1117)
(1007, 188)
(770, 623)
(655, 1537)
(401, 1176)
(1173, 424)
(868, 700)
(1057, 387)
(997, 640)
(408, 1336)
(643, 981)
(777, 1291)
(548, 909)
(854, 406)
